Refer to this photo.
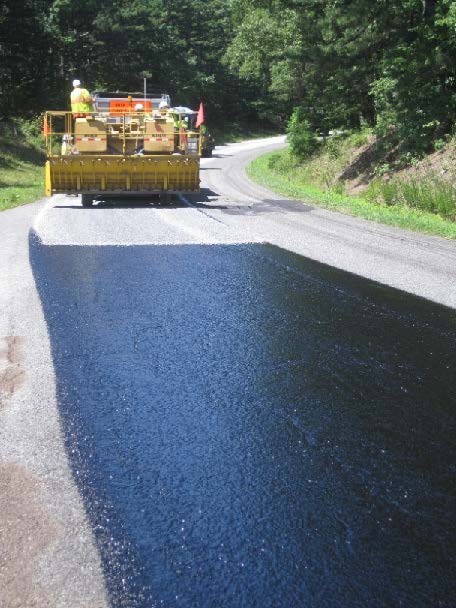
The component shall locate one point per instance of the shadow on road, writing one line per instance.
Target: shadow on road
(205, 199)
(247, 427)
(127, 203)
(208, 199)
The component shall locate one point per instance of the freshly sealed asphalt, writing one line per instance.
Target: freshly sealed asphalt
(240, 424)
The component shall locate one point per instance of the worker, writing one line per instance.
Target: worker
(163, 107)
(137, 122)
(139, 111)
(183, 128)
(67, 145)
(81, 100)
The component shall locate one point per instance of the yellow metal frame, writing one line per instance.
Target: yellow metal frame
(111, 174)
(96, 174)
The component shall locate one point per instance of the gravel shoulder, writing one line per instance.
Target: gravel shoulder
(47, 553)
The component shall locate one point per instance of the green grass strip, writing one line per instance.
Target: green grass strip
(21, 171)
(288, 184)
(22, 185)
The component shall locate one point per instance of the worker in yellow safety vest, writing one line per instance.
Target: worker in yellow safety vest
(183, 128)
(81, 100)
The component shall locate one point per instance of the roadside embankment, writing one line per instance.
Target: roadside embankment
(21, 163)
(347, 175)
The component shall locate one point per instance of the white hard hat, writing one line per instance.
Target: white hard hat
(76, 83)
(139, 106)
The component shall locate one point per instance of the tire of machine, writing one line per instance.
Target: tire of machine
(166, 198)
(87, 200)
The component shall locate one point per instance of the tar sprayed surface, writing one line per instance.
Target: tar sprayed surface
(250, 428)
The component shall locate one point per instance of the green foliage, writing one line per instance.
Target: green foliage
(276, 161)
(282, 162)
(360, 138)
(300, 136)
(439, 144)
(428, 194)
(333, 148)
(387, 65)
(24, 52)
(415, 89)
(110, 44)
(21, 163)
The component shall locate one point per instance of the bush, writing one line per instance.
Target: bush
(439, 144)
(360, 138)
(333, 147)
(282, 162)
(300, 136)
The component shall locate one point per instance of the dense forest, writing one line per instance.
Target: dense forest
(388, 64)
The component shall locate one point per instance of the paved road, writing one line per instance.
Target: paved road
(205, 303)
(421, 265)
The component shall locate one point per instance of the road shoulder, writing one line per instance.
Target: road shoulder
(47, 552)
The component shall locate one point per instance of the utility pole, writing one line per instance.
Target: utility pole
(145, 76)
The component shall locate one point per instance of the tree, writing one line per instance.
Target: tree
(25, 49)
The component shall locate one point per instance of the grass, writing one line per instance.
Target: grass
(21, 164)
(325, 165)
(428, 193)
(313, 182)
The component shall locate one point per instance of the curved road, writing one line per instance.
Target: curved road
(221, 403)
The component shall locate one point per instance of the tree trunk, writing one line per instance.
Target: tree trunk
(429, 9)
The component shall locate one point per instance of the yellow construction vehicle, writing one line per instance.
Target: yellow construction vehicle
(130, 145)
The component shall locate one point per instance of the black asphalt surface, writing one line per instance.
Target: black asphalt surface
(248, 427)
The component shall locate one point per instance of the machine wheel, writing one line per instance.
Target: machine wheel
(87, 200)
(166, 198)
(207, 153)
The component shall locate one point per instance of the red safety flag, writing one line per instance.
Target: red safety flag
(200, 117)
